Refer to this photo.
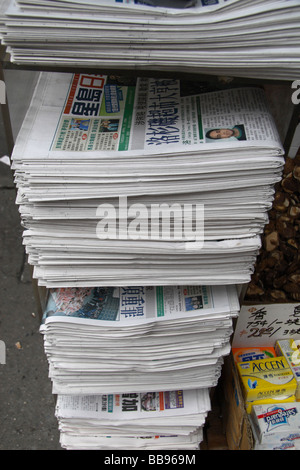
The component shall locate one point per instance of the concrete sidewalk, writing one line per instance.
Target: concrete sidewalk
(27, 420)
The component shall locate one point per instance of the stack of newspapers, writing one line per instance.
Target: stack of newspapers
(129, 181)
(226, 37)
(152, 420)
(142, 200)
(136, 339)
(117, 357)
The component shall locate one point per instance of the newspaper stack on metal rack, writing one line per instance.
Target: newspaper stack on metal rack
(240, 38)
(126, 181)
(117, 357)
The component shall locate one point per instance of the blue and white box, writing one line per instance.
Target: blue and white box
(276, 423)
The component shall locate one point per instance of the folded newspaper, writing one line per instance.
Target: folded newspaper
(124, 181)
(240, 38)
(137, 339)
(150, 420)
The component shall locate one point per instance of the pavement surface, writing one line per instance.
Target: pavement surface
(27, 406)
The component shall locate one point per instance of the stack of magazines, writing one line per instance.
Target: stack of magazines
(240, 38)
(118, 355)
(128, 181)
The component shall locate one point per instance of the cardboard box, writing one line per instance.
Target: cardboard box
(266, 378)
(288, 349)
(270, 401)
(235, 419)
(276, 423)
(252, 353)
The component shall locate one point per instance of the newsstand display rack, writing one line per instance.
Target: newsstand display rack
(215, 438)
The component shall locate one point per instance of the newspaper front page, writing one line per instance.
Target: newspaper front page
(136, 305)
(107, 113)
(134, 406)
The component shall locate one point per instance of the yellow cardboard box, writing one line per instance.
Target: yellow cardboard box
(270, 401)
(252, 353)
(288, 348)
(266, 378)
